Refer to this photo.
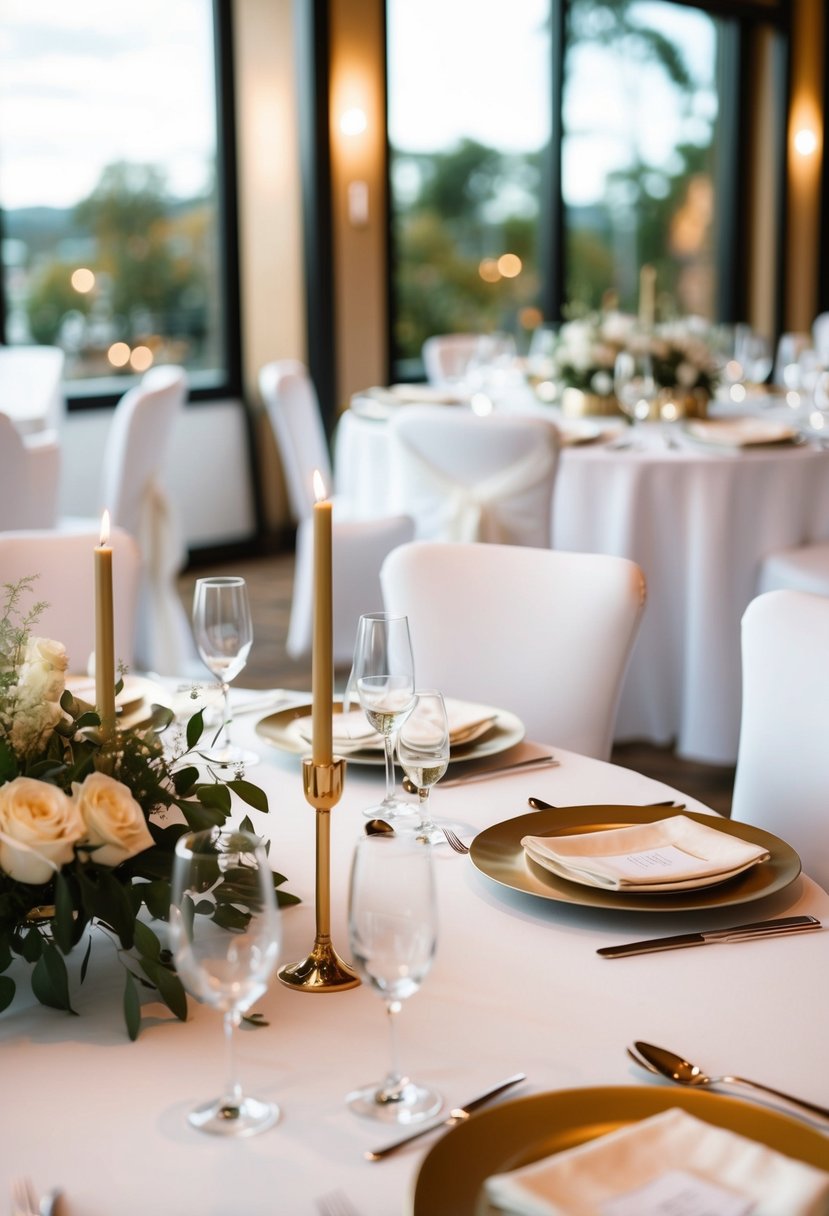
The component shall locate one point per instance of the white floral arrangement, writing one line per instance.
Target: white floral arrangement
(88, 825)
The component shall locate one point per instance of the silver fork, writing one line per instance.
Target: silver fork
(24, 1198)
(335, 1203)
(454, 841)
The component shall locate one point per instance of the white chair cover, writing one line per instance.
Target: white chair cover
(31, 387)
(359, 544)
(541, 633)
(446, 357)
(468, 478)
(133, 489)
(820, 336)
(802, 568)
(782, 774)
(63, 563)
(29, 477)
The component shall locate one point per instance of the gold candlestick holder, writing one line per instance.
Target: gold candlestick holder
(323, 970)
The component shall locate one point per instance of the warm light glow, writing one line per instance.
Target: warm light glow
(119, 354)
(104, 528)
(319, 487)
(83, 280)
(530, 317)
(488, 270)
(353, 121)
(805, 141)
(141, 358)
(481, 405)
(510, 265)
(669, 411)
(737, 392)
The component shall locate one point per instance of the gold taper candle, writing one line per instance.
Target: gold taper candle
(322, 661)
(104, 633)
(647, 296)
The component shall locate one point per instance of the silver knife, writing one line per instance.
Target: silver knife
(455, 1116)
(485, 774)
(738, 933)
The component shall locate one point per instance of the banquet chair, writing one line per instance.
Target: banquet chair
(782, 775)
(132, 489)
(800, 568)
(820, 337)
(446, 357)
(62, 562)
(464, 477)
(29, 475)
(539, 632)
(358, 544)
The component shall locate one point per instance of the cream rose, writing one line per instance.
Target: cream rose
(113, 819)
(38, 827)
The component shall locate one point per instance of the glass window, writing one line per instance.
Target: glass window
(640, 116)
(469, 122)
(108, 186)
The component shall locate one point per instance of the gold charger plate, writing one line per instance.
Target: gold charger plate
(133, 704)
(451, 1177)
(276, 729)
(497, 852)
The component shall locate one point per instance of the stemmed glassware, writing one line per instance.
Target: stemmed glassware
(225, 938)
(224, 634)
(423, 752)
(382, 676)
(392, 926)
(634, 384)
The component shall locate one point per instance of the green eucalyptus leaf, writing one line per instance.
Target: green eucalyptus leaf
(160, 718)
(250, 793)
(146, 941)
(285, 899)
(214, 795)
(157, 898)
(5, 954)
(132, 1007)
(200, 817)
(32, 947)
(63, 925)
(195, 728)
(7, 991)
(90, 718)
(230, 917)
(184, 780)
(170, 987)
(50, 980)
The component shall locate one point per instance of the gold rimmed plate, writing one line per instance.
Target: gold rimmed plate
(280, 730)
(497, 852)
(451, 1178)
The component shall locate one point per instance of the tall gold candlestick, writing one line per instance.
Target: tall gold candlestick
(323, 773)
(647, 296)
(104, 633)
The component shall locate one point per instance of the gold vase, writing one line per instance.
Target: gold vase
(577, 403)
(674, 403)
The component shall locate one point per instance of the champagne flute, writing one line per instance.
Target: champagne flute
(224, 634)
(225, 938)
(383, 675)
(423, 752)
(392, 925)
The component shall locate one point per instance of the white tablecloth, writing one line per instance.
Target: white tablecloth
(698, 521)
(516, 985)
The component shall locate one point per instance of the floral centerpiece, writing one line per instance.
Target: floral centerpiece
(580, 365)
(88, 827)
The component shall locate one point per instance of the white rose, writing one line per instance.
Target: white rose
(36, 698)
(38, 827)
(113, 819)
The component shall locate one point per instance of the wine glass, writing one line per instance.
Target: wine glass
(423, 752)
(383, 677)
(224, 635)
(225, 938)
(634, 384)
(392, 925)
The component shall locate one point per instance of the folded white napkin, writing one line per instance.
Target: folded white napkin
(352, 731)
(740, 432)
(673, 1152)
(669, 855)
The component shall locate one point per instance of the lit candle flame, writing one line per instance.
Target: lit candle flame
(104, 529)
(319, 487)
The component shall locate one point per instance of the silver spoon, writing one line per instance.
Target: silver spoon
(378, 827)
(675, 1068)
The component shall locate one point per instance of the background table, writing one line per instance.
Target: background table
(698, 520)
(516, 985)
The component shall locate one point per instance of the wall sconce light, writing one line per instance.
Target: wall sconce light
(353, 121)
(805, 141)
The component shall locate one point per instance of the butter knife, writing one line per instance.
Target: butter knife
(738, 933)
(455, 1116)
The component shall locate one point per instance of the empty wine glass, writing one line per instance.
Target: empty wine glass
(392, 926)
(423, 752)
(634, 384)
(383, 677)
(225, 938)
(224, 634)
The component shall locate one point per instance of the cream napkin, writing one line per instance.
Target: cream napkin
(353, 732)
(669, 855)
(740, 432)
(594, 1178)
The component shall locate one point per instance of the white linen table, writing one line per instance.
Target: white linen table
(698, 520)
(516, 985)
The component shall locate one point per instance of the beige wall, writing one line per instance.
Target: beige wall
(801, 268)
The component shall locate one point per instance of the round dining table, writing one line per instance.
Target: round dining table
(516, 985)
(697, 517)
